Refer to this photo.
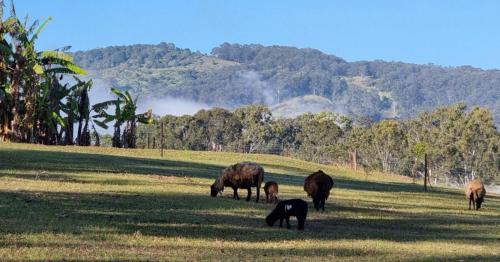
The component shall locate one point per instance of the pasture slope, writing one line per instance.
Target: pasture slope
(72, 203)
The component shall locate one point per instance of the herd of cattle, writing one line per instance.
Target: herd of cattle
(245, 175)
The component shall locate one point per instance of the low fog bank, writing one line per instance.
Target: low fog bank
(170, 106)
(101, 92)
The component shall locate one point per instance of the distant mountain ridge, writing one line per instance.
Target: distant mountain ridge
(234, 75)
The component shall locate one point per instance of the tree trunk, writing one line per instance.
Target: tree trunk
(28, 119)
(414, 170)
(79, 132)
(97, 138)
(354, 160)
(430, 171)
(85, 140)
(15, 124)
(132, 140)
(116, 136)
(129, 134)
(426, 172)
(161, 141)
(68, 136)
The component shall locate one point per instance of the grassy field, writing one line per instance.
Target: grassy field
(70, 203)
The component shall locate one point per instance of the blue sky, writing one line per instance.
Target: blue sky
(445, 32)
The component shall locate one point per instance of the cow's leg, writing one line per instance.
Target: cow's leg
(249, 193)
(470, 202)
(323, 204)
(281, 222)
(301, 220)
(288, 222)
(267, 197)
(473, 197)
(258, 193)
(316, 203)
(235, 195)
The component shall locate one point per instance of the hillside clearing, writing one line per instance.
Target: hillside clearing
(92, 203)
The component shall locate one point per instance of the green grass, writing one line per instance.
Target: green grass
(71, 203)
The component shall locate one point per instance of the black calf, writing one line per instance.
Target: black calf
(287, 208)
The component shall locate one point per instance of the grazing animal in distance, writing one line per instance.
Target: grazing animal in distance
(271, 190)
(475, 192)
(318, 186)
(241, 175)
(287, 208)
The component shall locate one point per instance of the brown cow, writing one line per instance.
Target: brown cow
(318, 186)
(240, 175)
(475, 192)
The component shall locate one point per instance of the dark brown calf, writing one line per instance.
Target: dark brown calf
(271, 190)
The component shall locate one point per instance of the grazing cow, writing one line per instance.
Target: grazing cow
(240, 175)
(271, 190)
(287, 208)
(475, 192)
(318, 186)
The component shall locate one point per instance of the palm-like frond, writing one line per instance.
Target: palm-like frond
(76, 69)
(99, 107)
(66, 70)
(39, 29)
(5, 48)
(58, 119)
(38, 69)
(53, 54)
(101, 124)
(146, 118)
(12, 9)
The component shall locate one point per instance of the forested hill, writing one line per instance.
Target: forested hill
(234, 75)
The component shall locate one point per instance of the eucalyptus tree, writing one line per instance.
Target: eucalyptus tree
(256, 129)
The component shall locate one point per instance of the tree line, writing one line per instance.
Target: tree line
(42, 98)
(458, 143)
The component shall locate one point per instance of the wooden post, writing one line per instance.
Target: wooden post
(161, 142)
(426, 171)
(148, 140)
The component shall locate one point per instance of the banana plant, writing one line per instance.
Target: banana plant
(28, 79)
(125, 113)
(83, 111)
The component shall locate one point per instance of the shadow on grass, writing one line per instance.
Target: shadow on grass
(58, 163)
(202, 217)
(82, 162)
(73, 163)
